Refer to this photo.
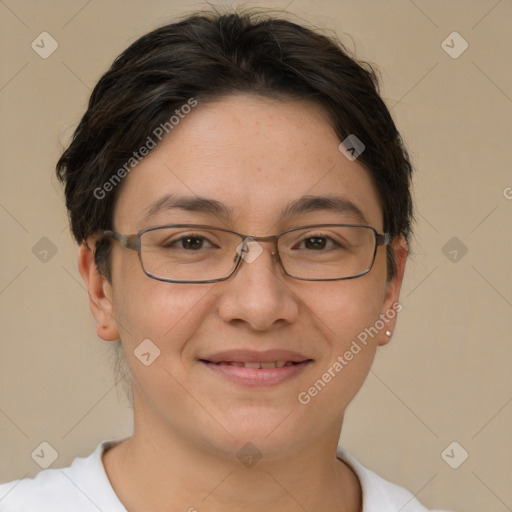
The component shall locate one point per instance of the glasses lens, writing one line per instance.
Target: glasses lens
(327, 252)
(188, 253)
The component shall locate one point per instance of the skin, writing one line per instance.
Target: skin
(189, 422)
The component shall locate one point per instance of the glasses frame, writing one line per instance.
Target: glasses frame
(133, 242)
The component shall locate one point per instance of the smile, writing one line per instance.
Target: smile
(256, 374)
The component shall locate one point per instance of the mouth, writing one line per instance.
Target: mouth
(253, 369)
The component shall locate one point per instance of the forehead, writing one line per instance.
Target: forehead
(248, 161)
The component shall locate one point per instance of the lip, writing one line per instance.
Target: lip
(256, 377)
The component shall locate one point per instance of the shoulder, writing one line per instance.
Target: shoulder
(82, 487)
(380, 495)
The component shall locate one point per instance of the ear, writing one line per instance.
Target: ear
(100, 293)
(391, 306)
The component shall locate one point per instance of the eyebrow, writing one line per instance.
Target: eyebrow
(300, 206)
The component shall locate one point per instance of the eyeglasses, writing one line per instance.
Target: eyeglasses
(194, 253)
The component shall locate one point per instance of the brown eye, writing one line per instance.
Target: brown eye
(188, 242)
(319, 243)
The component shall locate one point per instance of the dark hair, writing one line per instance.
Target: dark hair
(209, 55)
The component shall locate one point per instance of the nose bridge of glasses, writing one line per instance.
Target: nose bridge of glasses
(265, 239)
(251, 248)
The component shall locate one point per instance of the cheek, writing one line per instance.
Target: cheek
(347, 308)
(156, 320)
(346, 315)
(145, 308)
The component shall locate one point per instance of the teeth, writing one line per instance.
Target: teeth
(256, 365)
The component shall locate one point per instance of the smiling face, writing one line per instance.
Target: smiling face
(256, 157)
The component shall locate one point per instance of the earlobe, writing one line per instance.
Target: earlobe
(391, 306)
(100, 293)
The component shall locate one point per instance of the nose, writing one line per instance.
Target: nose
(258, 294)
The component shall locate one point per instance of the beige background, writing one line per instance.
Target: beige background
(446, 375)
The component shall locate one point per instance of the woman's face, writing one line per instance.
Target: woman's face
(255, 156)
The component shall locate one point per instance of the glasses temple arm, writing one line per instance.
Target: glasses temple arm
(383, 239)
(128, 241)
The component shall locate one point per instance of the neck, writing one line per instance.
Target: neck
(156, 469)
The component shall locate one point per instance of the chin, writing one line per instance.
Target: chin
(272, 431)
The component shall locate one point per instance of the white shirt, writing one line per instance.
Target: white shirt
(84, 487)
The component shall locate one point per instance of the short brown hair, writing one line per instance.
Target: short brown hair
(209, 55)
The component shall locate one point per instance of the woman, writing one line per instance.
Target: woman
(241, 199)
